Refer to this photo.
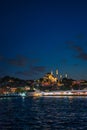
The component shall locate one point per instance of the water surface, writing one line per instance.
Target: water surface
(45, 113)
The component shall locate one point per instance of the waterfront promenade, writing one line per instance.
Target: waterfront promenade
(50, 93)
(58, 93)
(66, 93)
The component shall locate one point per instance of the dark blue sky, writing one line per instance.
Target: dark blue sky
(38, 36)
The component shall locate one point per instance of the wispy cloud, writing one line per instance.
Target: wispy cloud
(79, 51)
(33, 71)
(38, 68)
(1, 58)
(70, 42)
(76, 64)
(18, 61)
(33, 60)
(82, 56)
(64, 61)
(77, 48)
(80, 36)
(22, 61)
(3, 71)
(31, 65)
(24, 73)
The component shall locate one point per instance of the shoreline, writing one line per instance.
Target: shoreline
(58, 93)
(51, 93)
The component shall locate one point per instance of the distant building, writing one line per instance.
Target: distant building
(13, 90)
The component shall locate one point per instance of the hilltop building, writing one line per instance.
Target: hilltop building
(50, 77)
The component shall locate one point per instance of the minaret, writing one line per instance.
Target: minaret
(57, 73)
(51, 72)
(66, 75)
(61, 78)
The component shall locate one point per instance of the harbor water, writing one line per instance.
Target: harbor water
(43, 113)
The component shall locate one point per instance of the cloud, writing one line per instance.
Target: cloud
(77, 48)
(82, 56)
(74, 46)
(80, 36)
(1, 58)
(34, 60)
(3, 71)
(24, 73)
(22, 61)
(70, 42)
(38, 68)
(64, 61)
(76, 64)
(18, 61)
(27, 74)
(33, 71)
(29, 63)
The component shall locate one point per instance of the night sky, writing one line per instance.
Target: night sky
(39, 36)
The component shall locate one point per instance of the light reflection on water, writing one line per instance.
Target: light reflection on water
(45, 113)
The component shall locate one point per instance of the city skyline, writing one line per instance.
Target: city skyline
(39, 36)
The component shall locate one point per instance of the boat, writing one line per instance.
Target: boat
(13, 95)
(34, 93)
